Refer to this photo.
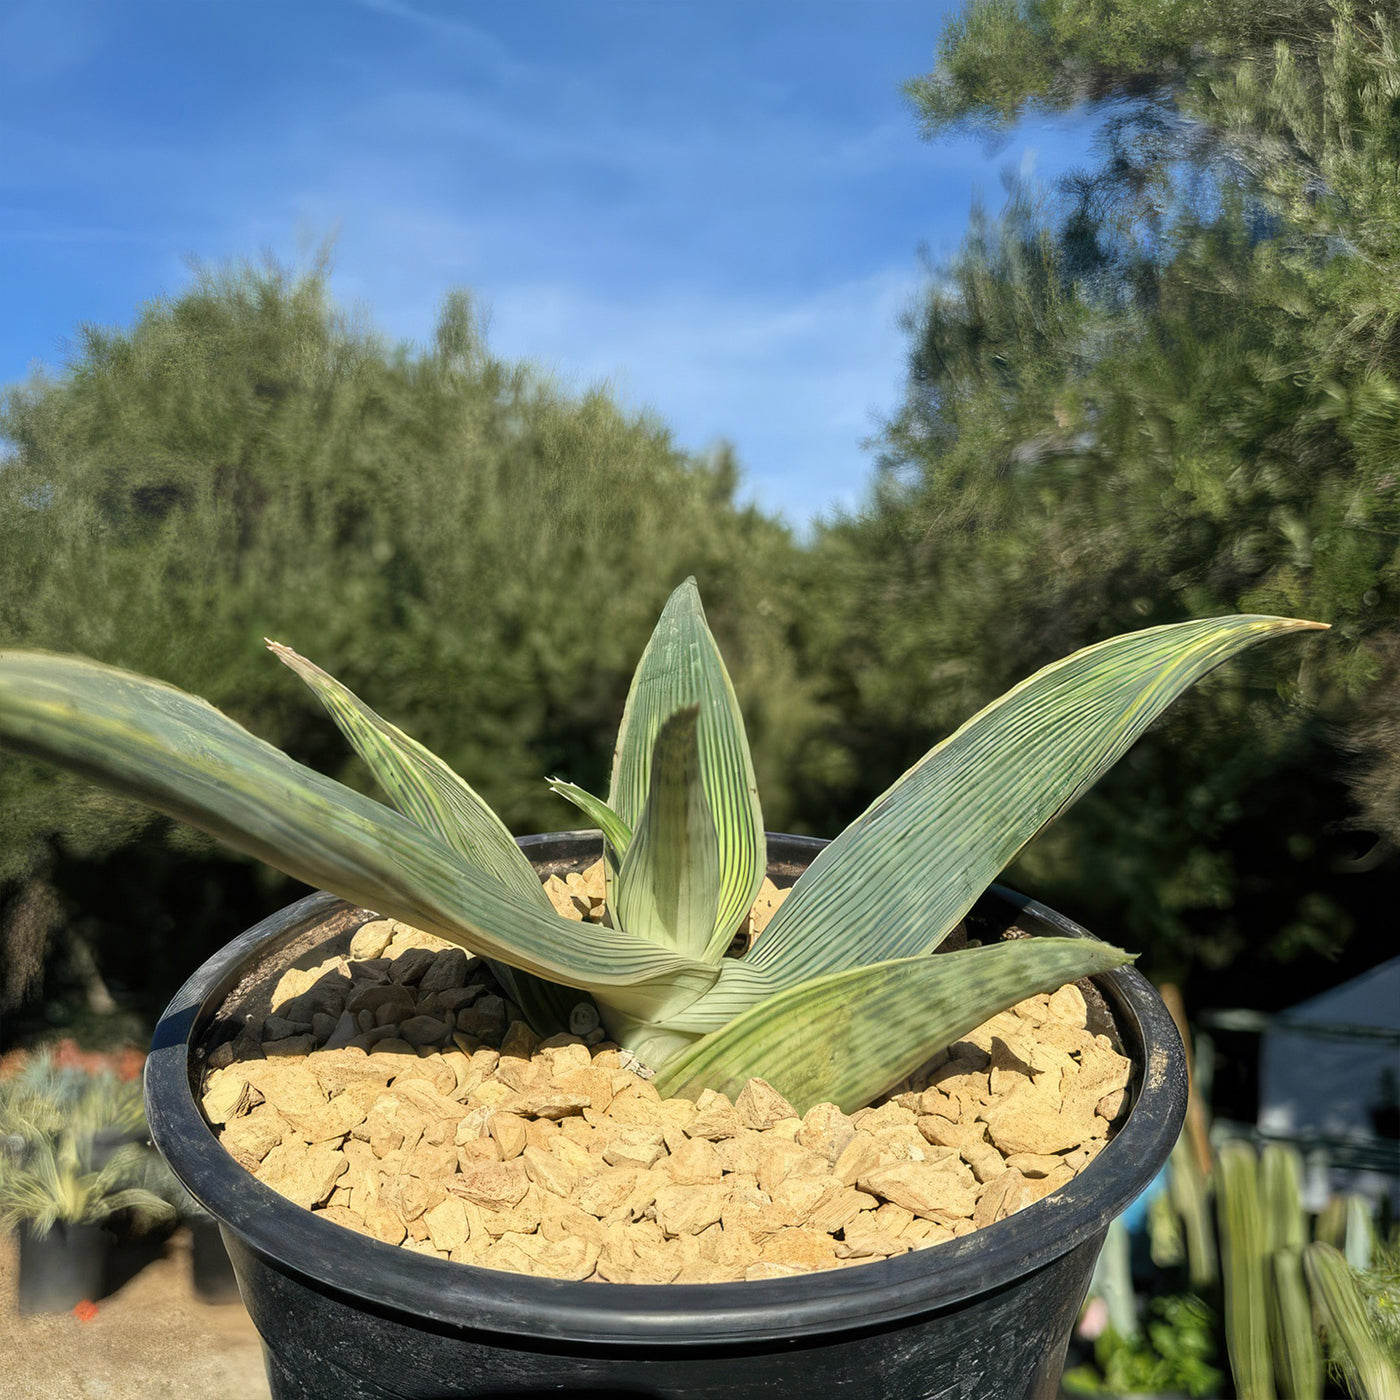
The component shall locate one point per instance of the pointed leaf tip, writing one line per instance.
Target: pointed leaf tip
(685, 594)
(681, 666)
(424, 788)
(896, 880)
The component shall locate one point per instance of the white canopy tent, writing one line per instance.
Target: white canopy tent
(1336, 1092)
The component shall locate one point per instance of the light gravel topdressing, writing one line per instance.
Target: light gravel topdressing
(395, 1092)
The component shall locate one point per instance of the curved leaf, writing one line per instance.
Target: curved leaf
(615, 831)
(427, 791)
(682, 666)
(847, 1037)
(902, 875)
(175, 752)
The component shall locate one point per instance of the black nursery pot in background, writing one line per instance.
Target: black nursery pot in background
(211, 1270)
(345, 1316)
(61, 1268)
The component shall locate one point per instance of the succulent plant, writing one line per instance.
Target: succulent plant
(1356, 1350)
(1243, 1260)
(58, 1171)
(839, 999)
(1298, 1363)
(1290, 1306)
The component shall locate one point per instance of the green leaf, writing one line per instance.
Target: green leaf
(615, 831)
(682, 666)
(430, 793)
(180, 755)
(901, 876)
(849, 1036)
(668, 883)
(617, 835)
(420, 784)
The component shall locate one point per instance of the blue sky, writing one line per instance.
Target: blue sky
(716, 206)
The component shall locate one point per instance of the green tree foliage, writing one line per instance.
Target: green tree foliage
(472, 548)
(1170, 389)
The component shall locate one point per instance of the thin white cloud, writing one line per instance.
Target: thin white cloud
(795, 385)
(655, 205)
(483, 44)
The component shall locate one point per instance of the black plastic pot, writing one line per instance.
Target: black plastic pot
(211, 1270)
(344, 1316)
(61, 1268)
(107, 1142)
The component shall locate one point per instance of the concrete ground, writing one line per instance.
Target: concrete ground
(151, 1339)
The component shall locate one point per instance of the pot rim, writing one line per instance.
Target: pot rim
(460, 1297)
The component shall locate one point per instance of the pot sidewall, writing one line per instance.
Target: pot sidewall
(62, 1267)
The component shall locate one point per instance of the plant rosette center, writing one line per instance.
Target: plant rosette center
(390, 1086)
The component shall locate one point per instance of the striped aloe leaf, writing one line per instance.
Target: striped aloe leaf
(901, 876)
(668, 882)
(615, 831)
(183, 757)
(846, 1037)
(421, 785)
(837, 1002)
(617, 835)
(682, 666)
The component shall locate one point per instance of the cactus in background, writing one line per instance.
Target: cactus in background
(1297, 1355)
(1276, 1286)
(1345, 1224)
(1242, 1242)
(1353, 1346)
(1190, 1192)
(1381, 1286)
(1360, 1243)
(1281, 1197)
(1283, 1297)
(1330, 1227)
(1113, 1281)
(1297, 1358)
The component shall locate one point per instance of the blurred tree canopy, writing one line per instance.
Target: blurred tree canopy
(477, 552)
(1168, 388)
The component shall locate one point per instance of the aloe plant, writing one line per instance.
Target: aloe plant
(838, 1001)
